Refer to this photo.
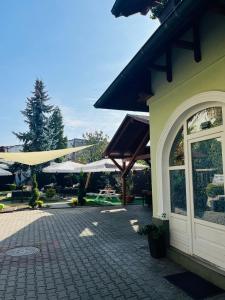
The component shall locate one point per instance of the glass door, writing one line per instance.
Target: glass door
(208, 199)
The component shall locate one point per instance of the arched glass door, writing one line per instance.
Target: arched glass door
(197, 197)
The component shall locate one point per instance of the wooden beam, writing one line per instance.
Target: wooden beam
(218, 9)
(133, 158)
(184, 45)
(119, 135)
(167, 68)
(124, 186)
(116, 164)
(169, 72)
(159, 68)
(196, 41)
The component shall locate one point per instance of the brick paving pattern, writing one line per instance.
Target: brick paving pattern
(85, 253)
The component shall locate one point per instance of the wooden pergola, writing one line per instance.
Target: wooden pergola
(130, 143)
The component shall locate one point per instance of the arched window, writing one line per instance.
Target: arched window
(205, 119)
(177, 175)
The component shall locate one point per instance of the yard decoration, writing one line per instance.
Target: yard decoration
(156, 239)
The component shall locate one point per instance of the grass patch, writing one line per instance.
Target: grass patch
(102, 201)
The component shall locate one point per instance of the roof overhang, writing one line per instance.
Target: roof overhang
(130, 90)
(129, 7)
(130, 140)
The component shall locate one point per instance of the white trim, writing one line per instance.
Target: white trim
(182, 167)
(186, 109)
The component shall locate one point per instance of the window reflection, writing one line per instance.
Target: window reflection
(208, 181)
(178, 192)
(177, 150)
(205, 119)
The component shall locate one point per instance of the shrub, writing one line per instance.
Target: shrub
(35, 192)
(39, 203)
(74, 202)
(154, 231)
(2, 206)
(50, 193)
(213, 190)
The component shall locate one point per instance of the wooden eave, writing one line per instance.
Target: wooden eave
(130, 90)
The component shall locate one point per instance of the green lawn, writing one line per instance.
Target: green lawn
(91, 200)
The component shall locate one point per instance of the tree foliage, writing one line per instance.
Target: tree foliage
(56, 130)
(45, 125)
(36, 138)
(99, 140)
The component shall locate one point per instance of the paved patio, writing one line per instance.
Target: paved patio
(85, 253)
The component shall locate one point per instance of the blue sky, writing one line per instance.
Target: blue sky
(76, 47)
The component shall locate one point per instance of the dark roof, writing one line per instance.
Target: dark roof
(128, 137)
(125, 93)
(129, 7)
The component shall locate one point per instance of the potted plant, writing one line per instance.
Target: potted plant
(156, 239)
(213, 191)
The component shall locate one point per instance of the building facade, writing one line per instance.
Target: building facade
(185, 92)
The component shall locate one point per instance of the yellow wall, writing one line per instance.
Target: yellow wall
(189, 78)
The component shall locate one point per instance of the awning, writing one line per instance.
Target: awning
(36, 158)
(64, 167)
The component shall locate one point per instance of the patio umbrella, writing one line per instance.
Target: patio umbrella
(106, 165)
(64, 167)
(4, 166)
(5, 173)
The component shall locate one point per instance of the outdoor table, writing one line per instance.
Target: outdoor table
(107, 193)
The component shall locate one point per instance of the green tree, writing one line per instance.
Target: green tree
(99, 140)
(36, 113)
(56, 130)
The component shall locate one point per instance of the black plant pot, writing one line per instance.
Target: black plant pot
(157, 247)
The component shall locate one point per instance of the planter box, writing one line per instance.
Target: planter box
(157, 247)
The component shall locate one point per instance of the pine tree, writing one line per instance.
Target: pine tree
(56, 130)
(36, 116)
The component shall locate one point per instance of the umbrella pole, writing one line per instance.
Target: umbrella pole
(88, 180)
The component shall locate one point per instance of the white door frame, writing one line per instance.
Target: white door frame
(181, 114)
(217, 134)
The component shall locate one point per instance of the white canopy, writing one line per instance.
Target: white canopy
(4, 166)
(106, 165)
(35, 158)
(64, 167)
(5, 173)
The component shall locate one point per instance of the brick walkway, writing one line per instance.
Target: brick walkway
(85, 253)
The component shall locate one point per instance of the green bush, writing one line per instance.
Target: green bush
(154, 231)
(213, 190)
(74, 202)
(35, 192)
(50, 193)
(2, 206)
(39, 203)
